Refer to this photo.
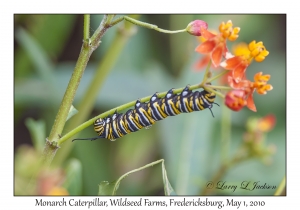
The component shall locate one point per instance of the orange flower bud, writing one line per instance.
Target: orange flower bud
(236, 99)
(260, 83)
(228, 31)
(258, 51)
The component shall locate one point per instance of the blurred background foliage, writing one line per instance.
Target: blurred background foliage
(46, 49)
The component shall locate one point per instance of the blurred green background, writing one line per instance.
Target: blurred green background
(46, 48)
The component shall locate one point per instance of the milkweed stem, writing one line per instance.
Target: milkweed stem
(85, 53)
(118, 108)
(86, 27)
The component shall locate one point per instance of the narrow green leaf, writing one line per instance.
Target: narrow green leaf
(72, 112)
(110, 188)
(39, 58)
(37, 130)
(107, 188)
(37, 54)
(167, 186)
(73, 181)
(53, 43)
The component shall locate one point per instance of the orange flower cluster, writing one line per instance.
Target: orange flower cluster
(242, 94)
(215, 44)
(215, 49)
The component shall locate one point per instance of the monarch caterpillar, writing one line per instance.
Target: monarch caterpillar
(146, 114)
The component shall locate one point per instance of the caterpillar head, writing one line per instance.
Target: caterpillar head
(99, 125)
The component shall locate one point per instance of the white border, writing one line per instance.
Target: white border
(8, 8)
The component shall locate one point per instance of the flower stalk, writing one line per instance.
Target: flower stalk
(146, 25)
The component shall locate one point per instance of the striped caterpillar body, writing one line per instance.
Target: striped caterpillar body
(146, 114)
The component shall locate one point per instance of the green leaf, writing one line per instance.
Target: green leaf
(53, 43)
(110, 188)
(40, 59)
(167, 186)
(72, 112)
(107, 188)
(37, 130)
(37, 55)
(73, 181)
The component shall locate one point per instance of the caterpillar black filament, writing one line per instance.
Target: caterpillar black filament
(146, 114)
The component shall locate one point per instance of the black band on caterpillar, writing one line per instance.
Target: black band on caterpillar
(146, 114)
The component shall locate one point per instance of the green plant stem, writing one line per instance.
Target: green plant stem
(145, 25)
(217, 76)
(69, 94)
(222, 171)
(119, 108)
(225, 133)
(86, 27)
(85, 53)
(110, 18)
(49, 152)
(135, 170)
(87, 103)
(219, 87)
(207, 70)
(281, 189)
(208, 88)
(103, 69)
(206, 80)
(47, 156)
(94, 41)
